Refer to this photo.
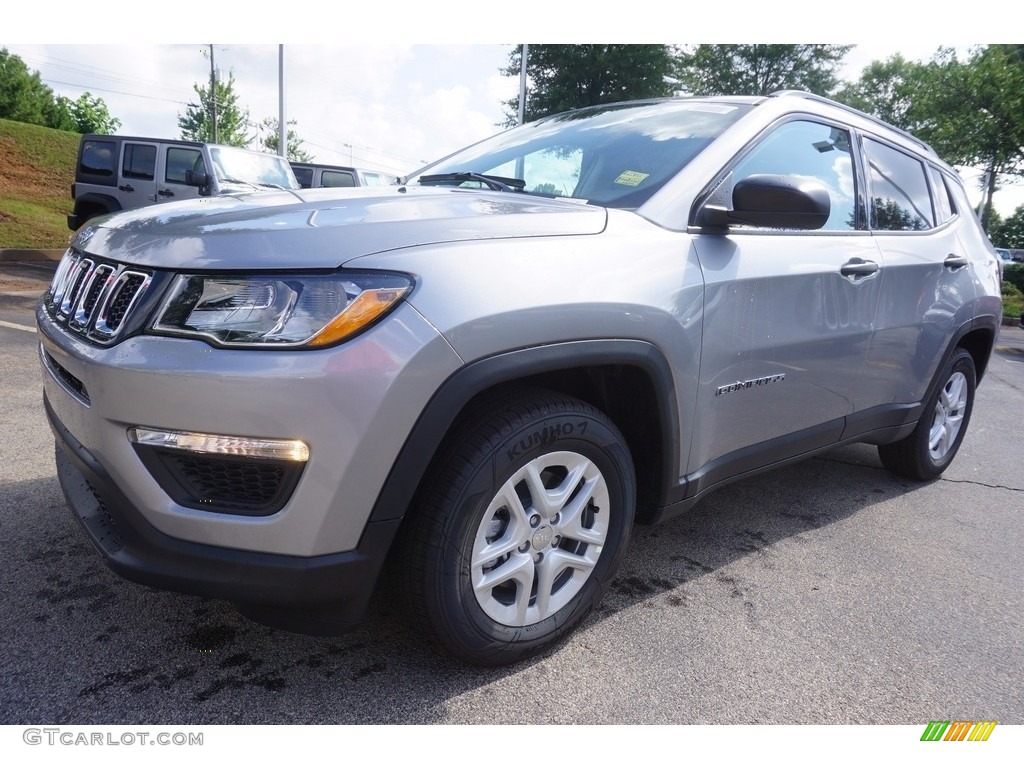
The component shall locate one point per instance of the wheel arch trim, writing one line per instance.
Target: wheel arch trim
(109, 202)
(971, 331)
(507, 368)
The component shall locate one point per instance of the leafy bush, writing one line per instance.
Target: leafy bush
(1014, 274)
(1013, 298)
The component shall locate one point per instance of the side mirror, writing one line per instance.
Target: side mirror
(778, 202)
(197, 179)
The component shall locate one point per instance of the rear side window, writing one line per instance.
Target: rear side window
(98, 158)
(900, 200)
(139, 161)
(304, 176)
(338, 179)
(180, 160)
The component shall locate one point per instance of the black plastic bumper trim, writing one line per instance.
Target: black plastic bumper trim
(338, 585)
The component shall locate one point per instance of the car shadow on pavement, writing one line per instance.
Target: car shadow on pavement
(747, 518)
(85, 646)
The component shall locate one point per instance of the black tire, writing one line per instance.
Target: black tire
(931, 447)
(493, 490)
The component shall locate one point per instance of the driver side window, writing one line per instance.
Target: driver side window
(180, 160)
(805, 149)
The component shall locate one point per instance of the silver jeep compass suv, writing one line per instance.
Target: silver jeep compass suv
(490, 371)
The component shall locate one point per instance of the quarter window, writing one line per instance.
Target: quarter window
(813, 151)
(97, 158)
(899, 190)
(943, 203)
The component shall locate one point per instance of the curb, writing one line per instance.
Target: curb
(31, 254)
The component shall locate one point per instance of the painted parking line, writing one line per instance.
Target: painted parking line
(17, 326)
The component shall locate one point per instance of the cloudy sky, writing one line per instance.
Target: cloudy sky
(388, 107)
(420, 83)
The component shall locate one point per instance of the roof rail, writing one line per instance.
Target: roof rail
(877, 121)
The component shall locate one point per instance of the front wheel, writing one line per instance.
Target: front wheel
(522, 525)
(930, 448)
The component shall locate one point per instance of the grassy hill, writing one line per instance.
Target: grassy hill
(37, 166)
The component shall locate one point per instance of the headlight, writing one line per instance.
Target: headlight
(278, 310)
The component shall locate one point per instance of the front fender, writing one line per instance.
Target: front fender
(508, 368)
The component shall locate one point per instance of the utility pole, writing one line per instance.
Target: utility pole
(522, 84)
(213, 95)
(520, 161)
(282, 124)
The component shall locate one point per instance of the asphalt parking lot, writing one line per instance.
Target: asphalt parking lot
(827, 592)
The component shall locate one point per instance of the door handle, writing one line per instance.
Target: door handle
(858, 268)
(127, 188)
(165, 193)
(955, 262)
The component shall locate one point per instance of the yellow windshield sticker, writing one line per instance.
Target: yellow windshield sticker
(631, 178)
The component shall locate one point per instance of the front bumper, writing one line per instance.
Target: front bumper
(353, 405)
(330, 591)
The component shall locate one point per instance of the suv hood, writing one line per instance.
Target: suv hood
(323, 228)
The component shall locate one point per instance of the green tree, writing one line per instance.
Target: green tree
(972, 113)
(269, 140)
(760, 69)
(995, 221)
(23, 95)
(87, 114)
(232, 121)
(61, 117)
(1009, 233)
(25, 98)
(888, 90)
(563, 77)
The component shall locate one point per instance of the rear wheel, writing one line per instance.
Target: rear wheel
(930, 448)
(522, 525)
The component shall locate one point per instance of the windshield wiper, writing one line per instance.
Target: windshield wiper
(496, 183)
(229, 180)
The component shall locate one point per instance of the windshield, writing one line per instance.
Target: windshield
(616, 156)
(254, 168)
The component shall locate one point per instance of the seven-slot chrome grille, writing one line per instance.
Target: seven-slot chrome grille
(92, 297)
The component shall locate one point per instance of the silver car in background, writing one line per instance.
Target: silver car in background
(487, 374)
